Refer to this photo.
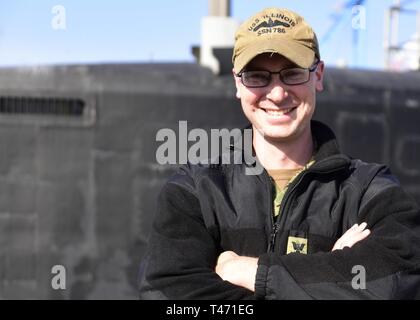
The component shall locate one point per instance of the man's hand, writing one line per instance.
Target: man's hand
(238, 270)
(241, 270)
(355, 234)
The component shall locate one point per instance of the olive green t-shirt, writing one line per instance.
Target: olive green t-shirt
(282, 179)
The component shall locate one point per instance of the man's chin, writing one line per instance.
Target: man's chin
(278, 136)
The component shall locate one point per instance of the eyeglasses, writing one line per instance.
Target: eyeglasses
(289, 76)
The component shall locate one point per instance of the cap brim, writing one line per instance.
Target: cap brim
(299, 54)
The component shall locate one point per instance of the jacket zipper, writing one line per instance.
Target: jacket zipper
(276, 226)
(270, 205)
(273, 238)
(281, 217)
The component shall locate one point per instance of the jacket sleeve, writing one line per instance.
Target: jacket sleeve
(386, 265)
(182, 253)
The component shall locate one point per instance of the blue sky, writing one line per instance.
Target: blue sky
(154, 31)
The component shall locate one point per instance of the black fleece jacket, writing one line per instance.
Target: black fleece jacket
(204, 210)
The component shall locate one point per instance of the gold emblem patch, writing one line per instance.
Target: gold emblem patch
(297, 245)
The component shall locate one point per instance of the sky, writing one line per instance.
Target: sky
(127, 31)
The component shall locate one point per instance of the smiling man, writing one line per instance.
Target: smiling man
(300, 228)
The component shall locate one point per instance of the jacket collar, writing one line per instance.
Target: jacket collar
(327, 153)
(325, 141)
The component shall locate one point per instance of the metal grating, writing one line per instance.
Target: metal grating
(45, 110)
(42, 106)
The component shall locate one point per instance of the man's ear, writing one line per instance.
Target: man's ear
(319, 74)
(238, 84)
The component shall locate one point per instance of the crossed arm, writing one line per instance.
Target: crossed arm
(241, 270)
(390, 255)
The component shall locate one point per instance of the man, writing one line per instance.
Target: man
(298, 229)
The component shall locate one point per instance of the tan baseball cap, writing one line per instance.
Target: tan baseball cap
(278, 31)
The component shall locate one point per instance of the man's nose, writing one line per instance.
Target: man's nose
(277, 90)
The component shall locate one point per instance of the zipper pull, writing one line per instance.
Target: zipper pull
(273, 237)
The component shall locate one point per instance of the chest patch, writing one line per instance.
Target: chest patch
(297, 245)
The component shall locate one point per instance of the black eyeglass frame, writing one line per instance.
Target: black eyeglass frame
(311, 69)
